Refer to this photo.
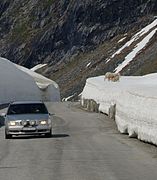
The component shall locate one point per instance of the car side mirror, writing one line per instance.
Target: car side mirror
(51, 114)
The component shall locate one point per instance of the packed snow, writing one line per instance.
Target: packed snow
(48, 88)
(135, 99)
(21, 84)
(40, 80)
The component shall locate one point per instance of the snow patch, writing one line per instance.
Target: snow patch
(39, 66)
(88, 64)
(121, 40)
(137, 36)
(135, 51)
(68, 98)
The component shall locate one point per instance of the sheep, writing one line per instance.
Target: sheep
(114, 77)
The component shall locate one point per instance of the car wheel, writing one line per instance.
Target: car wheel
(48, 134)
(8, 136)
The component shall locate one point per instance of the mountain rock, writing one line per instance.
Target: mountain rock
(68, 35)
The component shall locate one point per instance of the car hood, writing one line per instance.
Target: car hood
(28, 117)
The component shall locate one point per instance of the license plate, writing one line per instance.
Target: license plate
(29, 129)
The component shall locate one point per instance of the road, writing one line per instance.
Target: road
(84, 146)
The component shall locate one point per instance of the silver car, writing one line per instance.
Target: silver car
(27, 118)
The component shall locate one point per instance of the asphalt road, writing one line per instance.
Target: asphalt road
(84, 146)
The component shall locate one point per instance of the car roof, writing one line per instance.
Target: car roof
(27, 102)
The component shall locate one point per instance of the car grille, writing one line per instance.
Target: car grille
(26, 123)
(28, 131)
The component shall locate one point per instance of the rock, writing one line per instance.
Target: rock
(90, 105)
(112, 112)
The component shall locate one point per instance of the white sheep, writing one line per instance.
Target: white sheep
(112, 76)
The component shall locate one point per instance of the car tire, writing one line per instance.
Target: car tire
(48, 134)
(8, 136)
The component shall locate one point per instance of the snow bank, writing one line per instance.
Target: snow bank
(48, 88)
(19, 84)
(135, 99)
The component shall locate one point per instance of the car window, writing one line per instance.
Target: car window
(27, 109)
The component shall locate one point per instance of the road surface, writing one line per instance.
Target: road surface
(84, 146)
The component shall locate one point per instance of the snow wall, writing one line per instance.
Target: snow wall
(135, 99)
(21, 84)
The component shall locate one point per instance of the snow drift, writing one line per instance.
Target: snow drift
(19, 84)
(135, 99)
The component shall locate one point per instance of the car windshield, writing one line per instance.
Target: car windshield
(27, 109)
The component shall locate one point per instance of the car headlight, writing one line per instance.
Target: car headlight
(12, 123)
(32, 123)
(24, 123)
(43, 122)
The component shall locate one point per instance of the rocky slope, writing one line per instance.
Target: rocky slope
(74, 37)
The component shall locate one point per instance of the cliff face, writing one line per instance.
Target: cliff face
(63, 32)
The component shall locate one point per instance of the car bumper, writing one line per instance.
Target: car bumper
(28, 131)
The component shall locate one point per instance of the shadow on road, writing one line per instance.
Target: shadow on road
(1, 121)
(60, 135)
(54, 136)
(2, 110)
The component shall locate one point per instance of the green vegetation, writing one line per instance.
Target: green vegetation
(147, 68)
(46, 3)
(21, 31)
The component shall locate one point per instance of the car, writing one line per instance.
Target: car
(27, 118)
